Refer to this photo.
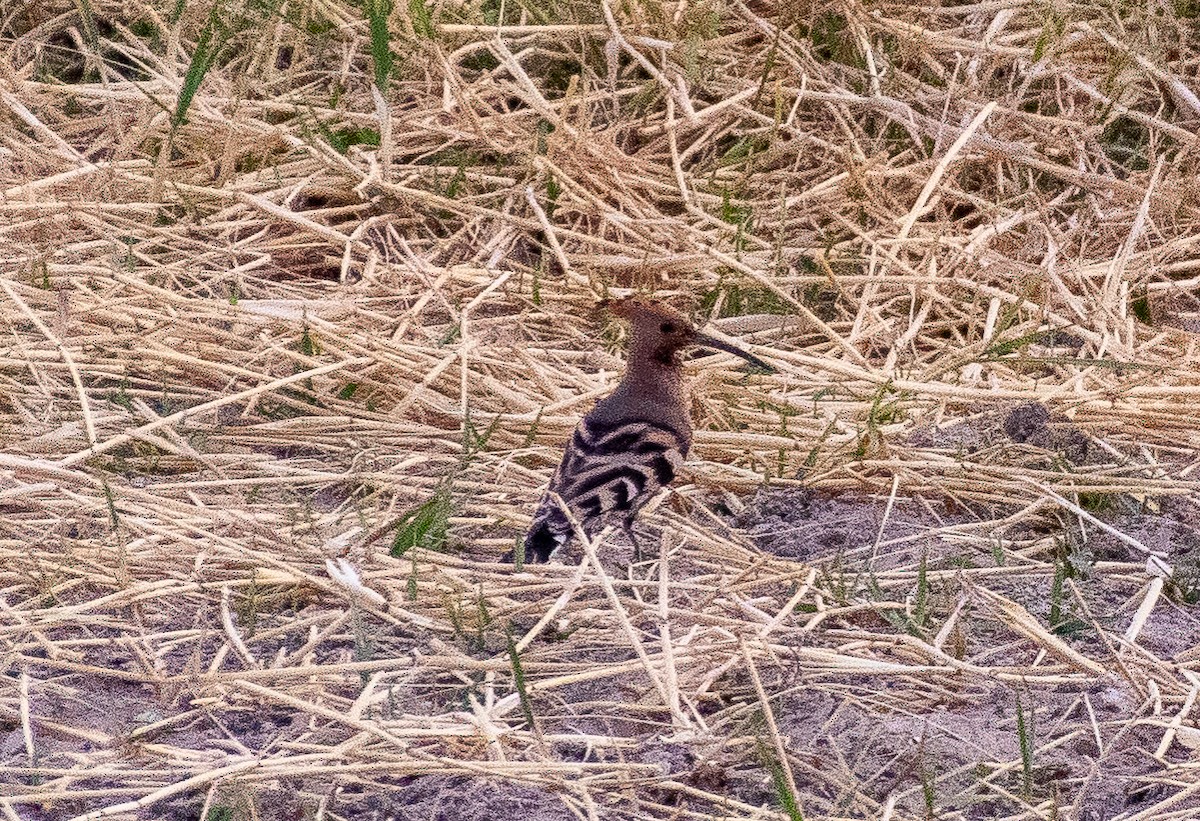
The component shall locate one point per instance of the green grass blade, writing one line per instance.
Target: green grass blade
(519, 681)
(378, 12)
(1025, 740)
(208, 46)
(422, 20)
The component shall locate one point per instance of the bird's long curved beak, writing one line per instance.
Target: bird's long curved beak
(706, 341)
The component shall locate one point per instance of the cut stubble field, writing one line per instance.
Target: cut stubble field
(299, 311)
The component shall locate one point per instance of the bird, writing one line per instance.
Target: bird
(633, 442)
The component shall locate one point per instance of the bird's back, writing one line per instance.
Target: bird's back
(614, 464)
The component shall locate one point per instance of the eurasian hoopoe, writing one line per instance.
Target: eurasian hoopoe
(632, 443)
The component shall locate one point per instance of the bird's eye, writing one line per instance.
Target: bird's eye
(667, 327)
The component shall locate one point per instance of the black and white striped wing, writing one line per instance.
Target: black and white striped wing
(616, 469)
(607, 469)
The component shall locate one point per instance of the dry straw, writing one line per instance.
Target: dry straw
(292, 282)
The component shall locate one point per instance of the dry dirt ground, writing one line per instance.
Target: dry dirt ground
(298, 307)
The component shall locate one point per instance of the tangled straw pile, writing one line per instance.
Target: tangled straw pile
(276, 275)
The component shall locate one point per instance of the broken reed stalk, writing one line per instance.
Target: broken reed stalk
(238, 329)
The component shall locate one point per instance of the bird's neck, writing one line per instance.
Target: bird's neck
(656, 389)
(654, 372)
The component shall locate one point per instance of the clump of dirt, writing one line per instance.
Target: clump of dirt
(804, 525)
(810, 526)
(449, 798)
(1027, 423)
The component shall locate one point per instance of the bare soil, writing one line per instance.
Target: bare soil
(299, 305)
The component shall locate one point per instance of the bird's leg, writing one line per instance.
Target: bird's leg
(627, 526)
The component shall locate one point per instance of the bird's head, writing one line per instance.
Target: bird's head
(659, 332)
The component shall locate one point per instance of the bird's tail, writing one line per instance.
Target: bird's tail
(541, 541)
(549, 531)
